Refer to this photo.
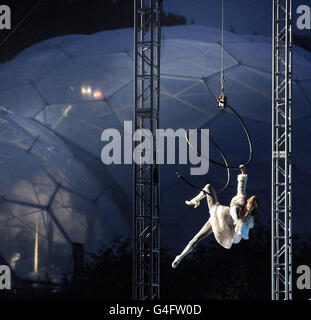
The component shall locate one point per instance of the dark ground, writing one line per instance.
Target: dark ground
(209, 273)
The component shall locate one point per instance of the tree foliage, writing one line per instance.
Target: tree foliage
(210, 272)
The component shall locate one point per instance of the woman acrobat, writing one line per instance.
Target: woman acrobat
(229, 224)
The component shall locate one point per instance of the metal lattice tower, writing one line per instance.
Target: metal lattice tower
(146, 251)
(282, 150)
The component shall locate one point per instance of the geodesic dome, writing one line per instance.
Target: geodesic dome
(77, 86)
(47, 202)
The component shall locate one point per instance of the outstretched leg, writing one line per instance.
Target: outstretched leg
(211, 197)
(209, 193)
(203, 233)
(196, 200)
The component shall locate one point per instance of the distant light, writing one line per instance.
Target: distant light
(97, 94)
(36, 247)
(14, 259)
(86, 90)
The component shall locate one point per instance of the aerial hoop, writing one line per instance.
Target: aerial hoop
(180, 176)
(226, 165)
(222, 103)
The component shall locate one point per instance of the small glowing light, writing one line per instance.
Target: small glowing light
(36, 248)
(97, 94)
(14, 259)
(86, 90)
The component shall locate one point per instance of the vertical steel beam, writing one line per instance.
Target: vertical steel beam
(281, 230)
(146, 213)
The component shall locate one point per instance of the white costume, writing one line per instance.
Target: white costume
(224, 221)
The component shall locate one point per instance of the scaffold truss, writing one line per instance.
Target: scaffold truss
(146, 251)
(282, 150)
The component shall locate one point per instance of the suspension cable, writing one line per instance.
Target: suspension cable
(222, 104)
(222, 78)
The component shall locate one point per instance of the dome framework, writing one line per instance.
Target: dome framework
(77, 87)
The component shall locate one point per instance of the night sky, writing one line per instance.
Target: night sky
(52, 18)
(244, 16)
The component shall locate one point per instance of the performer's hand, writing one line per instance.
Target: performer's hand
(242, 168)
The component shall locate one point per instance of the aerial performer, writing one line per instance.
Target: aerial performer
(228, 223)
